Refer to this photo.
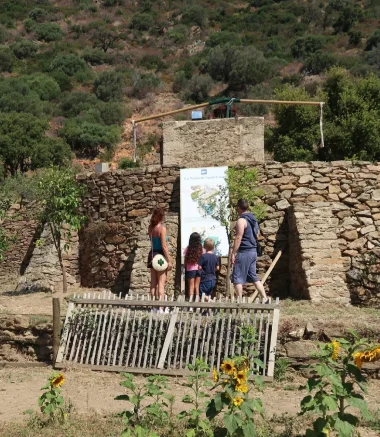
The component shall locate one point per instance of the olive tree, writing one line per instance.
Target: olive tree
(61, 194)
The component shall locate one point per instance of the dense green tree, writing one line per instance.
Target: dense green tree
(198, 88)
(373, 40)
(142, 21)
(64, 81)
(195, 15)
(48, 32)
(23, 144)
(109, 86)
(306, 45)
(7, 59)
(319, 61)
(239, 67)
(37, 14)
(88, 138)
(373, 57)
(24, 49)
(144, 84)
(68, 64)
(104, 38)
(72, 104)
(349, 14)
(45, 86)
(351, 126)
(4, 35)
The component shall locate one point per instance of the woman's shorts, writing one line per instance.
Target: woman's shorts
(191, 274)
(150, 257)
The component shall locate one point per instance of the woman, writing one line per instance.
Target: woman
(158, 238)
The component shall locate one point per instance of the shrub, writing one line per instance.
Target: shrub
(319, 62)
(110, 3)
(48, 32)
(109, 86)
(45, 86)
(152, 62)
(223, 38)
(373, 40)
(68, 64)
(63, 80)
(195, 15)
(306, 45)
(29, 25)
(177, 34)
(125, 163)
(51, 151)
(3, 35)
(87, 138)
(105, 38)
(72, 104)
(180, 81)
(373, 57)
(112, 113)
(144, 84)
(142, 21)
(7, 59)
(355, 37)
(96, 56)
(37, 14)
(24, 48)
(198, 88)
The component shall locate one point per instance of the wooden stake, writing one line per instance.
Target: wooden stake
(56, 326)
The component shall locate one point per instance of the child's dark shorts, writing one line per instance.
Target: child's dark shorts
(191, 274)
(207, 287)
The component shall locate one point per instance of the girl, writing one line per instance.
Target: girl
(192, 254)
(157, 235)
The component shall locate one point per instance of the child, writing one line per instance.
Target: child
(208, 265)
(192, 254)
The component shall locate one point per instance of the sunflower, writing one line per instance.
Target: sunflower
(335, 349)
(215, 375)
(58, 381)
(242, 388)
(358, 359)
(241, 376)
(237, 401)
(228, 367)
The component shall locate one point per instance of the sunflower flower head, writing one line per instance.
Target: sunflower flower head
(335, 349)
(228, 367)
(215, 375)
(58, 380)
(358, 359)
(237, 401)
(241, 376)
(242, 388)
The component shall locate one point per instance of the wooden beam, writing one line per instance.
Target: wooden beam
(172, 304)
(168, 339)
(281, 102)
(176, 111)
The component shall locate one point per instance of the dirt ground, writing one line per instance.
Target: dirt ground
(94, 393)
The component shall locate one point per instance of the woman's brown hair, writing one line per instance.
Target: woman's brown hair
(158, 215)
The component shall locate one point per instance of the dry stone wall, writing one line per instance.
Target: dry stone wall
(328, 214)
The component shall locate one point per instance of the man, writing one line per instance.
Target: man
(244, 251)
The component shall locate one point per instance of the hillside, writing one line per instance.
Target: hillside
(73, 73)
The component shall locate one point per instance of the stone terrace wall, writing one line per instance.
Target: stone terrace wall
(350, 192)
(337, 204)
(16, 258)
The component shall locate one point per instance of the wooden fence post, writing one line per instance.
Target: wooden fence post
(56, 326)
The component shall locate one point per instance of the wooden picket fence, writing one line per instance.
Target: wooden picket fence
(106, 332)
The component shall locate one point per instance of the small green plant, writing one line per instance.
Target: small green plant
(197, 383)
(336, 383)
(239, 410)
(281, 367)
(51, 402)
(125, 163)
(145, 416)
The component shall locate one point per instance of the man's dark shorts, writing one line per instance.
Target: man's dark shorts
(244, 271)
